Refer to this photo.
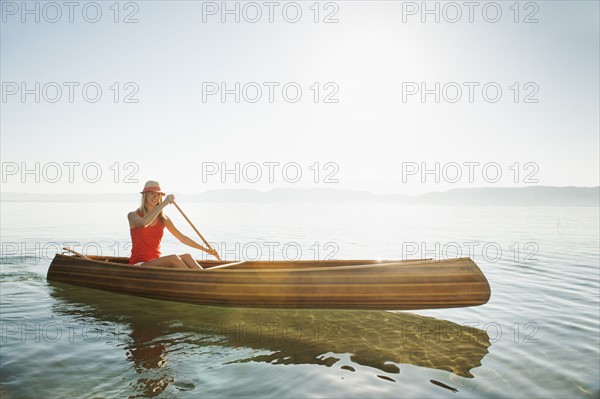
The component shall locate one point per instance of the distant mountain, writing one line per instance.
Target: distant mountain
(520, 196)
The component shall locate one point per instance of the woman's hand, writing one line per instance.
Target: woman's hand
(212, 252)
(169, 199)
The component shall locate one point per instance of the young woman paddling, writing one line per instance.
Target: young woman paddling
(146, 226)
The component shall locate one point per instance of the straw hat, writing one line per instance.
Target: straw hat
(152, 185)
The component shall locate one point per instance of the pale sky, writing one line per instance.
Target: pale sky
(375, 61)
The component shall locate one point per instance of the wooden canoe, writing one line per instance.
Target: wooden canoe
(350, 284)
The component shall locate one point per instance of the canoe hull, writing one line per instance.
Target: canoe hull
(388, 285)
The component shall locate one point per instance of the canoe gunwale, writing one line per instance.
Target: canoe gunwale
(218, 269)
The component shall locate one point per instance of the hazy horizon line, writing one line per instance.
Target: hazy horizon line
(486, 196)
(307, 189)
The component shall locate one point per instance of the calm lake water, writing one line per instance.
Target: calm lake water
(537, 337)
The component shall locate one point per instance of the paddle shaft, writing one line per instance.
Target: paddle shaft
(75, 252)
(195, 229)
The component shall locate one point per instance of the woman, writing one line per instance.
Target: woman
(146, 226)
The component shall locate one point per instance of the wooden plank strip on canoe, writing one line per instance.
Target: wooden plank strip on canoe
(337, 280)
(272, 264)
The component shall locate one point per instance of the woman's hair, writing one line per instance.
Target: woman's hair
(161, 215)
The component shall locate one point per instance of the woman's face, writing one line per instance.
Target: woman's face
(152, 198)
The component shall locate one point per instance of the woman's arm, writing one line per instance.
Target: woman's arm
(136, 221)
(185, 239)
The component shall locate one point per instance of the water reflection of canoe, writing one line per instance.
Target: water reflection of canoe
(377, 339)
(355, 284)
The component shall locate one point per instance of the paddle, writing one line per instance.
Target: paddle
(76, 253)
(196, 230)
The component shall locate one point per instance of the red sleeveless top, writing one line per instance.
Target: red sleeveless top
(146, 241)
